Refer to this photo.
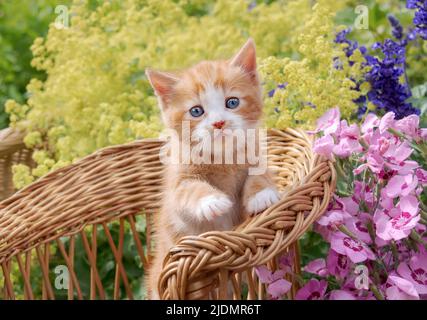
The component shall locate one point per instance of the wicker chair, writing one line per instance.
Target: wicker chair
(65, 214)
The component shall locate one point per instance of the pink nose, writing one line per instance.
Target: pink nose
(218, 124)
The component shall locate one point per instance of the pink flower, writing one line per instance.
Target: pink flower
(397, 223)
(276, 285)
(337, 264)
(354, 249)
(341, 295)
(324, 146)
(329, 123)
(400, 289)
(266, 276)
(317, 266)
(401, 185)
(408, 126)
(313, 290)
(385, 201)
(421, 176)
(363, 192)
(386, 122)
(416, 272)
(278, 288)
(346, 147)
(333, 218)
(359, 227)
(347, 131)
(404, 167)
(286, 261)
(398, 152)
(371, 121)
(349, 204)
(374, 162)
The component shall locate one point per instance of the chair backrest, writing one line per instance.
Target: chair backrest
(113, 191)
(84, 231)
(12, 151)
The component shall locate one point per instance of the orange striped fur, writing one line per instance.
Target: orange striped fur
(204, 197)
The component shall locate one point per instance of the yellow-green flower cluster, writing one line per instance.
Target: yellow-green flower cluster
(96, 93)
(318, 79)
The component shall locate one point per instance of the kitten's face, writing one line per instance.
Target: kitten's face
(212, 96)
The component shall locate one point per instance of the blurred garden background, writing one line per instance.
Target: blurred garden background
(72, 72)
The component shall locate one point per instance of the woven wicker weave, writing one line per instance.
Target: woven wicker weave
(12, 151)
(121, 183)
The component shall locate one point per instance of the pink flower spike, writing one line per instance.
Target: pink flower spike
(354, 249)
(349, 204)
(338, 265)
(370, 123)
(329, 123)
(399, 222)
(386, 122)
(358, 226)
(276, 285)
(346, 147)
(406, 290)
(333, 218)
(279, 288)
(317, 266)
(347, 131)
(409, 204)
(313, 290)
(264, 274)
(398, 152)
(422, 176)
(324, 146)
(416, 272)
(408, 126)
(404, 167)
(401, 185)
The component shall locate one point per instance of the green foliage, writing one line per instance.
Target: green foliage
(312, 247)
(21, 21)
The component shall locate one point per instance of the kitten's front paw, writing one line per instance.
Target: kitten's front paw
(213, 206)
(262, 200)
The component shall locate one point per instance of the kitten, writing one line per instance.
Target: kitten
(211, 97)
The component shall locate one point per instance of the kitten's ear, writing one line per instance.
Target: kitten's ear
(246, 57)
(162, 82)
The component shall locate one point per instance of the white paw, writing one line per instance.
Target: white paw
(213, 206)
(262, 200)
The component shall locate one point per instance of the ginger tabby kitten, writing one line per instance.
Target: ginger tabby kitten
(212, 96)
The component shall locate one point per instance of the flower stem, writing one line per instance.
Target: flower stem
(347, 232)
(376, 292)
(417, 238)
(395, 253)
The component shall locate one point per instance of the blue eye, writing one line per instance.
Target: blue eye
(197, 111)
(232, 103)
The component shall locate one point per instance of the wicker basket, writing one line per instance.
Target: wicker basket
(116, 186)
(12, 151)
